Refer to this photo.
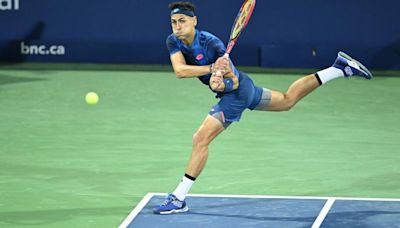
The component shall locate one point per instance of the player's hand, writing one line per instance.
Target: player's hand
(216, 81)
(222, 66)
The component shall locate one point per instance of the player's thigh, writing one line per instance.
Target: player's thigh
(209, 129)
(272, 101)
(277, 101)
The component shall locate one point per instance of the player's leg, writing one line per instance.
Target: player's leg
(344, 66)
(208, 130)
(211, 127)
(285, 101)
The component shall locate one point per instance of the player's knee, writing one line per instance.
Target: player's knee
(288, 103)
(199, 139)
(289, 106)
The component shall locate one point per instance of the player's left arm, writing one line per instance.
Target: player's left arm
(183, 70)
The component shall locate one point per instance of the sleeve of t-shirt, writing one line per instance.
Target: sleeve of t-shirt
(172, 45)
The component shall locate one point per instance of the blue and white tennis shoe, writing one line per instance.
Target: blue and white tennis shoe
(170, 206)
(351, 67)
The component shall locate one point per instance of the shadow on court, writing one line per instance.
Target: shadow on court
(52, 216)
(262, 218)
(338, 219)
(5, 79)
(234, 212)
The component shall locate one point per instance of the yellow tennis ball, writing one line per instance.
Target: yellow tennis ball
(92, 98)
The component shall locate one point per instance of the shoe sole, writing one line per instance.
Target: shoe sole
(175, 211)
(362, 67)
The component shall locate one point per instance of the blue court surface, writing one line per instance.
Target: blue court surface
(268, 211)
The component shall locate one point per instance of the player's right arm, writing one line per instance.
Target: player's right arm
(182, 70)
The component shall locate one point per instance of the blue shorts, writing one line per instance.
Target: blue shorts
(232, 104)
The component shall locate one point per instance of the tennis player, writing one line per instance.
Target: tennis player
(198, 54)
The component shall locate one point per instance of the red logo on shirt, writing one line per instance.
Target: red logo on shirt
(199, 56)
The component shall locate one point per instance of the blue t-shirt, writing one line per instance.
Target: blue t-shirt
(205, 50)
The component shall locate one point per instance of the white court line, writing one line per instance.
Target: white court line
(149, 195)
(289, 197)
(136, 211)
(324, 212)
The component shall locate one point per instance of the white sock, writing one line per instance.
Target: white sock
(329, 73)
(183, 188)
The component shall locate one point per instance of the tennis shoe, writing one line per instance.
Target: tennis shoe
(351, 67)
(170, 206)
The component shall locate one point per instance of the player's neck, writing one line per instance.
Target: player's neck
(189, 40)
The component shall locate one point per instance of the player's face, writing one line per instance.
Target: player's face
(183, 26)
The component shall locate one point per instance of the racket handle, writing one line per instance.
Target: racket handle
(218, 72)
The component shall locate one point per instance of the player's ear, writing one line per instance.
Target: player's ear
(194, 20)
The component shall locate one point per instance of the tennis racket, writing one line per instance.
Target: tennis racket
(240, 23)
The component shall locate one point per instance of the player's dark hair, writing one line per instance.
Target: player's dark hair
(182, 5)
